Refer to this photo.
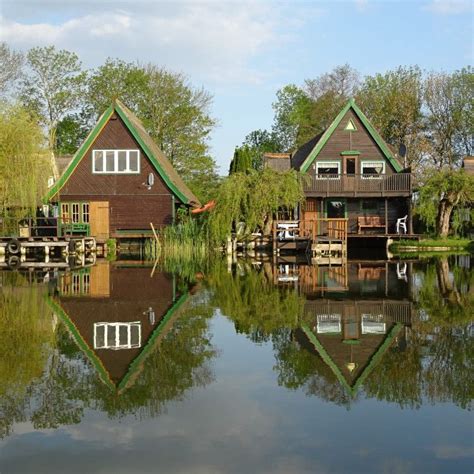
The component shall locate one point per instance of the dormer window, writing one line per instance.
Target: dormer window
(116, 161)
(372, 169)
(117, 335)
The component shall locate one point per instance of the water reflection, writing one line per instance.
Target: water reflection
(122, 338)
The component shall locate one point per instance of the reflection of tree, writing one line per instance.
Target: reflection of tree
(25, 331)
(64, 383)
(255, 305)
(299, 367)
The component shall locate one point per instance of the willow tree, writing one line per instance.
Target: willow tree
(441, 193)
(24, 167)
(248, 201)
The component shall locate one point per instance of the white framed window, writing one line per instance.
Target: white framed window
(117, 335)
(373, 324)
(372, 169)
(328, 324)
(328, 169)
(115, 161)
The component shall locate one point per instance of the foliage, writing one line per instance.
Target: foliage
(242, 160)
(440, 194)
(393, 101)
(252, 198)
(259, 142)
(53, 86)
(72, 130)
(23, 164)
(11, 63)
(449, 99)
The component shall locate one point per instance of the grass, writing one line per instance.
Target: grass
(429, 244)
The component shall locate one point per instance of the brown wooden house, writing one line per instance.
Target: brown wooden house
(118, 182)
(353, 174)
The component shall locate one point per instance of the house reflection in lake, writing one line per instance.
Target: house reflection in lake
(353, 313)
(117, 315)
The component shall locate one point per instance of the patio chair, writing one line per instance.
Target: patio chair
(402, 224)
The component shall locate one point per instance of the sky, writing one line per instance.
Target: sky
(242, 52)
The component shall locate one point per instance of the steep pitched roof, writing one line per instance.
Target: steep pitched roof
(162, 165)
(304, 156)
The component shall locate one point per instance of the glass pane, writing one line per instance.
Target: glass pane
(336, 209)
(351, 166)
(85, 213)
(372, 168)
(135, 334)
(123, 335)
(133, 156)
(98, 163)
(110, 161)
(328, 169)
(122, 161)
(99, 336)
(111, 336)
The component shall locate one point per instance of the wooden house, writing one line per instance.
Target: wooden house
(352, 174)
(117, 316)
(118, 182)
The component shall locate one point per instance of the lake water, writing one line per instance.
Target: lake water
(239, 367)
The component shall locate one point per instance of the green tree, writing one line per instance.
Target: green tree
(24, 166)
(11, 63)
(440, 194)
(449, 100)
(393, 102)
(53, 86)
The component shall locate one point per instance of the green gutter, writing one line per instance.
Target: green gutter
(90, 354)
(329, 131)
(79, 154)
(150, 155)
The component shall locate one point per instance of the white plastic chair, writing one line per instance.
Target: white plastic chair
(402, 224)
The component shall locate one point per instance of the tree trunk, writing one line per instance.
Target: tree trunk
(444, 216)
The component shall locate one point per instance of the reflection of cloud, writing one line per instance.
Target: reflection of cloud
(453, 452)
(216, 41)
(450, 7)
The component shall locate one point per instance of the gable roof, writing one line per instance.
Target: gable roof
(157, 158)
(305, 155)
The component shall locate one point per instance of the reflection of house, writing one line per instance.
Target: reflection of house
(117, 315)
(351, 330)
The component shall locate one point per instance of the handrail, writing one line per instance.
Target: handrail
(358, 183)
(332, 228)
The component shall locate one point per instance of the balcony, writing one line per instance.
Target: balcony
(356, 185)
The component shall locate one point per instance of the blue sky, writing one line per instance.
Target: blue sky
(243, 52)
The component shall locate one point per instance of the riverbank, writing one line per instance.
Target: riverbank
(433, 245)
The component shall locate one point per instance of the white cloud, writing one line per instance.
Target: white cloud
(211, 41)
(450, 7)
(361, 5)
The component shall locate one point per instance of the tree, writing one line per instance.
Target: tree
(440, 194)
(449, 100)
(53, 86)
(23, 163)
(393, 103)
(11, 63)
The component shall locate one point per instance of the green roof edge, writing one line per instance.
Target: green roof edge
(375, 359)
(330, 130)
(80, 154)
(150, 155)
(92, 356)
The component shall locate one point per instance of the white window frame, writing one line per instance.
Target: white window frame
(328, 324)
(325, 164)
(116, 154)
(116, 327)
(372, 163)
(373, 324)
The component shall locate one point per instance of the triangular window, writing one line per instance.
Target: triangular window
(350, 127)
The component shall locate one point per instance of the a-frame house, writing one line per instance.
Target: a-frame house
(118, 182)
(351, 173)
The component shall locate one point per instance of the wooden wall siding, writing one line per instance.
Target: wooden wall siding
(128, 212)
(115, 135)
(132, 293)
(340, 141)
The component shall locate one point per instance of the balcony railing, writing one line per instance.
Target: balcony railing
(357, 184)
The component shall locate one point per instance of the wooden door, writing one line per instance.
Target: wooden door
(99, 219)
(310, 212)
(100, 279)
